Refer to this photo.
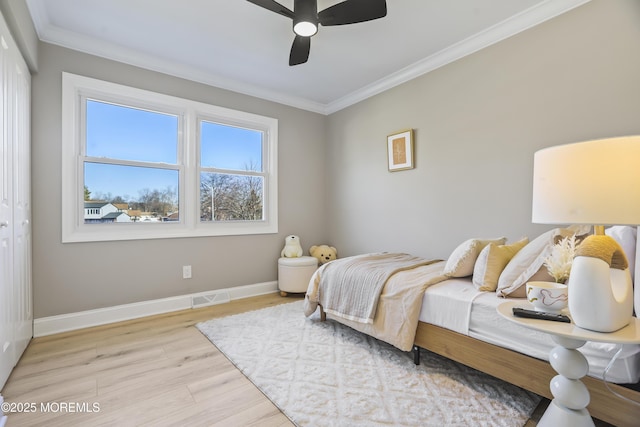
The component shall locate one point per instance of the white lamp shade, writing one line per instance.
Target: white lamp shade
(593, 182)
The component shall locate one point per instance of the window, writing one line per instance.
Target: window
(131, 160)
(142, 165)
(231, 173)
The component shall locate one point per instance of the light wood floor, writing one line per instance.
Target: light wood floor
(158, 370)
(154, 371)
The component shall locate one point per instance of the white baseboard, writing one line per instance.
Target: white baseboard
(72, 321)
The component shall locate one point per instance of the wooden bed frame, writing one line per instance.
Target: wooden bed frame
(526, 372)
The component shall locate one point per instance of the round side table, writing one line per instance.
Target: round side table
(571, 396)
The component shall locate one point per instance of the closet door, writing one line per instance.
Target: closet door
(7, 350)
(16, 317)
(20, 135)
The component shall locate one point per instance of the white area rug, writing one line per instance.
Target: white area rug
(326, 374)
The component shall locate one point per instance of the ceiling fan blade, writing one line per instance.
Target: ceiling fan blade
(300, 50)
(353, 11)
(273, 6)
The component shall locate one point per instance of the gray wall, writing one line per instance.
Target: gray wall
(80, 276)
(478, 122)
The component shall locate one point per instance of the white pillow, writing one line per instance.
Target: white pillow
(626, 237)
(492, 261)
(463, 258)
(528, 264)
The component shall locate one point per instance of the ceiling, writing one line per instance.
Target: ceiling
(236, 45)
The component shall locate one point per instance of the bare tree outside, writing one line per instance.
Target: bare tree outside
(231, 197)
(160, 202)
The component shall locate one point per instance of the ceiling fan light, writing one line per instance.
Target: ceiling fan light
(305, 19)
(305, 28)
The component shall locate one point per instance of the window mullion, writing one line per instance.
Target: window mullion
(232, 172)
(190, 182)
(109, 161)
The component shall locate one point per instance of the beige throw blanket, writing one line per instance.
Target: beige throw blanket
(352, 286)
(398, 306)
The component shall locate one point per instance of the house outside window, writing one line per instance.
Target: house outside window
(102, 212)
(142, 165)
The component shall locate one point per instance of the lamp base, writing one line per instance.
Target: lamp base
(600, 292)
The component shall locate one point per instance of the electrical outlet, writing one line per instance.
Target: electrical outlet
(186, 272)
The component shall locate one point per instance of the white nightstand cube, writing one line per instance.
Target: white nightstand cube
(294, 274)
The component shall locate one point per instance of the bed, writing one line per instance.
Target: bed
(437, 305)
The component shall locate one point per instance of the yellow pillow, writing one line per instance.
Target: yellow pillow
(492, 261)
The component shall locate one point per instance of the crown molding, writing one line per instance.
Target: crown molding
(67, 39)
(492, 35)
(516, 24)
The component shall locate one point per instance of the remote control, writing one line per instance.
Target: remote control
(532, 314)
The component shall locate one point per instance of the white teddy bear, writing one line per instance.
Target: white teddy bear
(292, 247)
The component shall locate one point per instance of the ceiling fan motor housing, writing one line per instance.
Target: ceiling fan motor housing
(305, 21)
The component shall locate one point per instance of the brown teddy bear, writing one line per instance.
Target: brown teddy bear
(323, 253)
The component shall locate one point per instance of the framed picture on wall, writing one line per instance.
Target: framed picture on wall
(400, 150)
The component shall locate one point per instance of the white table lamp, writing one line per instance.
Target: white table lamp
(597, 183)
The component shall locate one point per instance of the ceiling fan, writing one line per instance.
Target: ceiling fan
(306, 18)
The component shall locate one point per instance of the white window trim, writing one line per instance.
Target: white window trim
(74, 229)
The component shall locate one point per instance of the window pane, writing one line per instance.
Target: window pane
(135, 194)
(228, 147)
(231, 197)
(126, 133)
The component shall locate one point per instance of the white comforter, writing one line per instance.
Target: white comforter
(398, 308)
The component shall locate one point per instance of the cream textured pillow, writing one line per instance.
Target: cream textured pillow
(463, 258)
(528, 264)
(492, 261)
